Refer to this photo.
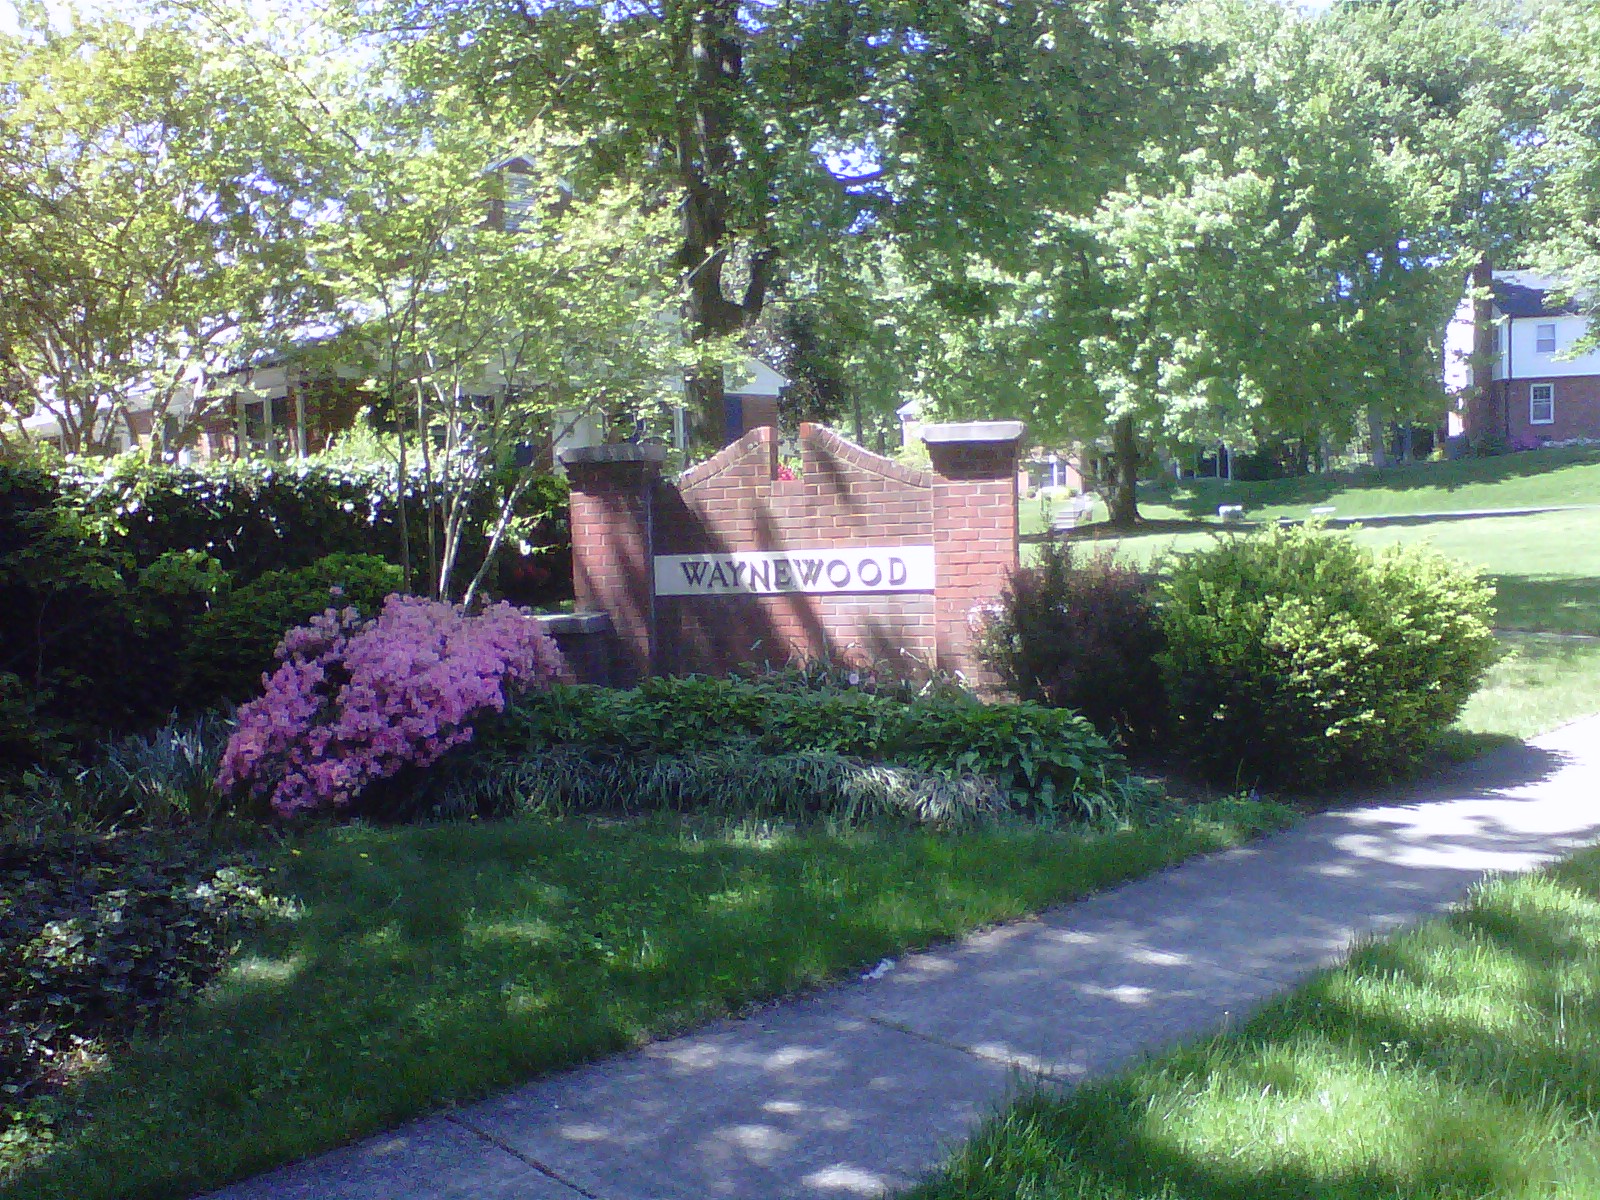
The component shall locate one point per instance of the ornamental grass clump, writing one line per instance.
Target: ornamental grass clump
(354, 701)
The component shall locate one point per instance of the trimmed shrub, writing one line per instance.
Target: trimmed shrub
(231, 647)
(1296, 658)
(1081, 633)
(356, 702)
(88, 634)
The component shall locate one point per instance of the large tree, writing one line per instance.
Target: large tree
(1565, 43)
(778, 131)
(1279, 263)
(155, 202)
(1464, 97)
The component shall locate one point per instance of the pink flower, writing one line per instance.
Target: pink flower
(356, 701)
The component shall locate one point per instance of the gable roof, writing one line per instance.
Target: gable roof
(1524, 294)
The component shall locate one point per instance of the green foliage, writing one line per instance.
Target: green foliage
(231, 646)
(881, 677)
(154, 219)
(1046, 761)
(1081, 634)
(253, 516)
(27, 736)
(107, 571)
(90, 630)
(162, 779)
(1043, 761)
(734, 781)
(100, 936)
(1296, 658)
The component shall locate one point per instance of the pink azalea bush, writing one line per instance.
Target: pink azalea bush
(355, 701)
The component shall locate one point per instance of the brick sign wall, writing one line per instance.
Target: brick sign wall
(859, 558)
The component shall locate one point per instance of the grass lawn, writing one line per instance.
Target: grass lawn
(416, 967)
(1545, 566)
(1541, 684)
(1461, 1059)
(1533, 479)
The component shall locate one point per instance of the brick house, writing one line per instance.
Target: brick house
(1541, 390)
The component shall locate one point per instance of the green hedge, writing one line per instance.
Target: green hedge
(255, 516)
(232, 644)
(106, 568)
(1296, 659)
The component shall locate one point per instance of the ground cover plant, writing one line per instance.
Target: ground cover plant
(1454, 1060)
(102, 936)
(1037, 760)
(407, 967)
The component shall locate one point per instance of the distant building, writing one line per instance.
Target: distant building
(1542, 390)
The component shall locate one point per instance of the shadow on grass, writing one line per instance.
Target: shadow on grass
(1457, 746)
(426, 966)
(1548, 603)
(1200, 497)
(1455, 1060)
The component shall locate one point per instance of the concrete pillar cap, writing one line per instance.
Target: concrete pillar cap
(972, 431)
(620, 452)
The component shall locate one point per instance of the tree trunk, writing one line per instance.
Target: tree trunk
(1478, 412)
(1376, 430)
(1122, 498)
(402, 474)
(714, 59)
(706, 400)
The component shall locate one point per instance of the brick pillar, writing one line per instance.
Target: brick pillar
(974, 529)
(612, 545)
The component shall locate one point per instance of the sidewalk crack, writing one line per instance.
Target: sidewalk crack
(526, 1159)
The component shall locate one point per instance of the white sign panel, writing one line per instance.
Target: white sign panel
(761, 573)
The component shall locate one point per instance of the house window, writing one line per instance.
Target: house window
(266, 426)
(1546, 339)
(1542, 404)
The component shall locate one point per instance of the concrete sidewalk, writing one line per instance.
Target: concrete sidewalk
(864, 1087)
